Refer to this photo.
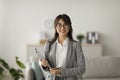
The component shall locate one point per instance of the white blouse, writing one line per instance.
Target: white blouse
(61, 52)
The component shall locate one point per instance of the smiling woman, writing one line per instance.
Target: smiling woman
(63, 56)
(65, 64)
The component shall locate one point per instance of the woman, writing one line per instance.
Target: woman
(62, 53)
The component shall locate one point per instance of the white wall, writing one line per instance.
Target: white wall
(1, 24)
(24, 19)
(1, 8)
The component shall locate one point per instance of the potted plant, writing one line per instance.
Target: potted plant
(80, 37)
(16, 74)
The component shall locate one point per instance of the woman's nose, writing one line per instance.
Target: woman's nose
(63, 27)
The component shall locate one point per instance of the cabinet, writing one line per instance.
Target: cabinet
(92, 50)
(89, 50)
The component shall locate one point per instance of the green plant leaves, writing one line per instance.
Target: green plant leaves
(15, 73)
(80, 36)
(19, 63)
(4, 64)
(1, 71)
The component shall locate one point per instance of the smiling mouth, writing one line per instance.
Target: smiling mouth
(63, 31)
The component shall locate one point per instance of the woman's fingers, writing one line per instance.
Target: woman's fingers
(52, 71)
(55, 71)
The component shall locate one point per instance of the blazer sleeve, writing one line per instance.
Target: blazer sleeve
(45, 54)
(46, 49)
(79, 68)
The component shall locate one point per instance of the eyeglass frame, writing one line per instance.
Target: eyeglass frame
(59, 26)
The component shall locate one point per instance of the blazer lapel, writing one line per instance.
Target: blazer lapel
(69, 53)
(53, 54)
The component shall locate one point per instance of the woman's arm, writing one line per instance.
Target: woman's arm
(44, 62)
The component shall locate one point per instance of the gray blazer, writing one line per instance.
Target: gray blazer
(75, 62)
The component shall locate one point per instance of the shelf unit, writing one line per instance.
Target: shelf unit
(89, 50)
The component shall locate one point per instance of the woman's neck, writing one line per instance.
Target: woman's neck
(61, 39)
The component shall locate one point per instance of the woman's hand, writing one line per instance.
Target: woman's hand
(55, 71)
(44, 62)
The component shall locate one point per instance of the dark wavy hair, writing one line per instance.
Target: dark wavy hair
(67, 21)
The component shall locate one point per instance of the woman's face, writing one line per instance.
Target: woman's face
(62, 28)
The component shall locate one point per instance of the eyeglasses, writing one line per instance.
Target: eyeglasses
(59, 26)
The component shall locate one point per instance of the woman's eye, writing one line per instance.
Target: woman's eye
(59, 24)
